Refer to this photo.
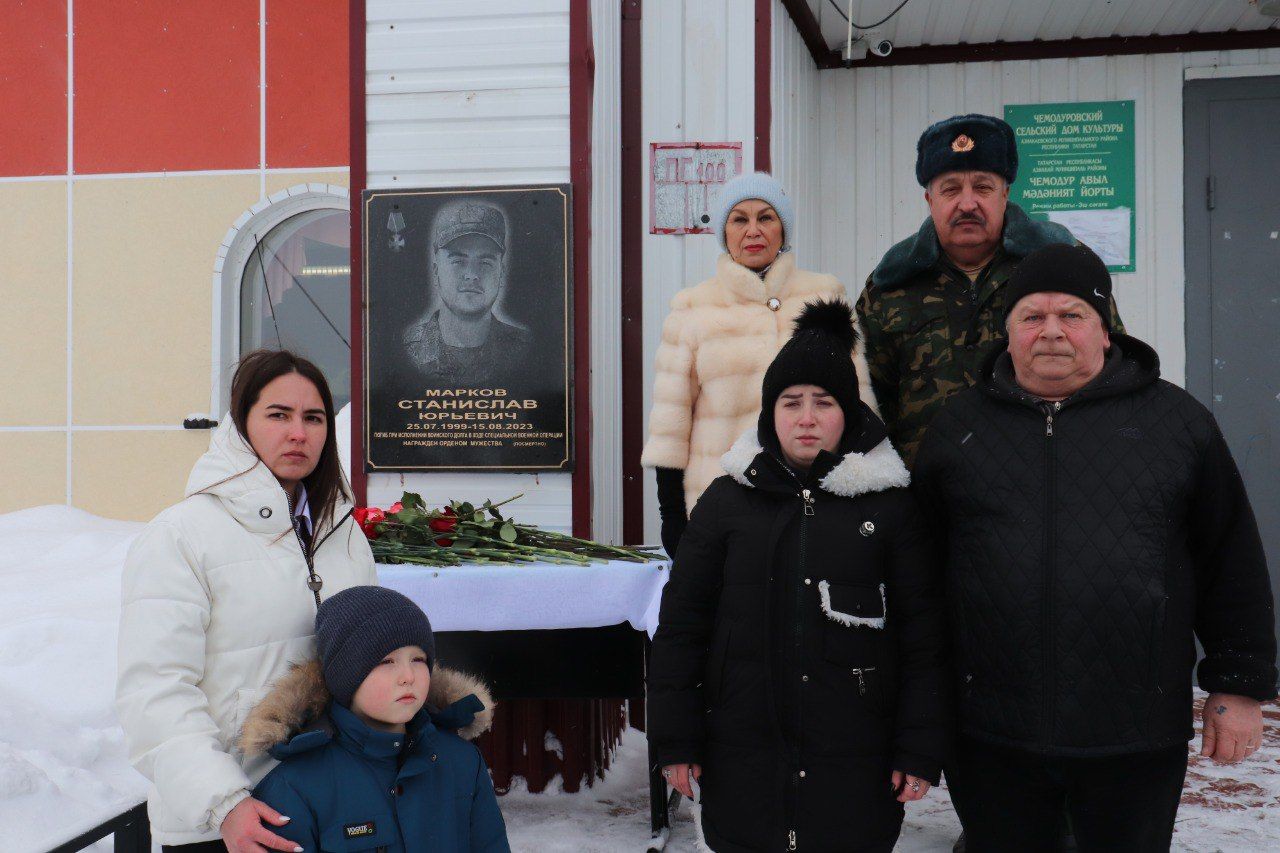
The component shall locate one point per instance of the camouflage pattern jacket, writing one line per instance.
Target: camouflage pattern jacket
(501, 357)
(928, 327)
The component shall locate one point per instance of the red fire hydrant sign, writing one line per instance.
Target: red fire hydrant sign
(683, 180)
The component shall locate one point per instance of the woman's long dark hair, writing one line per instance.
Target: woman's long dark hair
(256, 369)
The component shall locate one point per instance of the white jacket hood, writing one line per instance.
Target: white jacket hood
(231, 471)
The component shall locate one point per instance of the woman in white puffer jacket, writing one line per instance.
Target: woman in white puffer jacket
(220, 593)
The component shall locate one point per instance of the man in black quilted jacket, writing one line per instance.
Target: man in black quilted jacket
(1095, 525)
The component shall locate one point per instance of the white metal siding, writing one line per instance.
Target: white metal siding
(606, 273)
(698, 60)
(461, 92)
(795, 133)
(870, 120)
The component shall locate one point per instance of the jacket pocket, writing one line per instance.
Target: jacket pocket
(360, 831)
(853, 605)
(714, 677)
(852, 628)
(1156, 655)
(858, 666)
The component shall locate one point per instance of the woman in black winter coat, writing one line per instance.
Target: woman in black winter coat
(797, 670)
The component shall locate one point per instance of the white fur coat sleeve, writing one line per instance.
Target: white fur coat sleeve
(675, 388)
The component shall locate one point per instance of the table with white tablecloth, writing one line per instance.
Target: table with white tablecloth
(533, 596)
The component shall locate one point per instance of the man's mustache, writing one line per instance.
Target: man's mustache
(969, 217)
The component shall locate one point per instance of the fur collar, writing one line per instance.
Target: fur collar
(878, 469)
(747, 285)
(1022, 236)
(299, 697)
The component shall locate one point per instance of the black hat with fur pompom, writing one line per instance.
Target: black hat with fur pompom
(819, 353)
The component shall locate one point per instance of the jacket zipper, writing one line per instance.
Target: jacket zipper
(974, 291)
(793, 799)
(314, 581)
(1049, 409)
(395, 785)
(806, 496)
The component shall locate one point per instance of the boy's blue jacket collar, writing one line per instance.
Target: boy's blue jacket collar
(297, 715)
(340, 724)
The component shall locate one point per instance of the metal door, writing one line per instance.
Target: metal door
(1232, 203)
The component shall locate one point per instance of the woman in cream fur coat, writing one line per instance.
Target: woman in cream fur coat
(718, 340)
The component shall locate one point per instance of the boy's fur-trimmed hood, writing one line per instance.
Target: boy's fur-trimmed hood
(300, 698)
(919, 252)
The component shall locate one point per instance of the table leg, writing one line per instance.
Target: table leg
(658, 816)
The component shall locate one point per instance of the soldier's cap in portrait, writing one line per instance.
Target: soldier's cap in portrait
(471, 217)
(968, 143)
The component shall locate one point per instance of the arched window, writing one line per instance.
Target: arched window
(286, 283)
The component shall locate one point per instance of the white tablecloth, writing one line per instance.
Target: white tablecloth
(533, 595)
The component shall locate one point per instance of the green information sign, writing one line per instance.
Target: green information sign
(1076, 168)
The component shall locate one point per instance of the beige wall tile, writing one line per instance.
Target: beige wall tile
(34, 466)
(33, 291)
(277, 181)
(133, 474)
(144, 253)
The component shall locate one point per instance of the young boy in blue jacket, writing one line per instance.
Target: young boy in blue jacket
(371, 738)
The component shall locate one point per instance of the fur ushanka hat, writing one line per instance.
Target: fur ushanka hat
(968, 143)
(819, 353)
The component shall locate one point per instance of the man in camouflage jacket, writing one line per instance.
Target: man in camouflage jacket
(935, 304)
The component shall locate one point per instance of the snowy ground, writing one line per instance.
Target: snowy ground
(62, 756)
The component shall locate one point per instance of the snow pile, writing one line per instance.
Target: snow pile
(63, 767)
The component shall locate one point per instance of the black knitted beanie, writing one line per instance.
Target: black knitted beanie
(1063, 268)
(819, 353)
(358, 627)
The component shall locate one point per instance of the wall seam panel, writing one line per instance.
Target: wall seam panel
(71, 87)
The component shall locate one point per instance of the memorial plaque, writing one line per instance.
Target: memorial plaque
(467, 329)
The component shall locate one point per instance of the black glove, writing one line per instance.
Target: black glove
(671, 507)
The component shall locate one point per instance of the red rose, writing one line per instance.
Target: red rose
(446, 523)
(395, 507)
(368, 517)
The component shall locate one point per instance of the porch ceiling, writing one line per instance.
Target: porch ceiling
(952, 22)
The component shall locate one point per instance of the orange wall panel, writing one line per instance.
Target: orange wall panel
(166, 85)
(307, 83)
(33, 87)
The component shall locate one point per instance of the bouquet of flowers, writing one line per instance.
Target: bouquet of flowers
(409, 532)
